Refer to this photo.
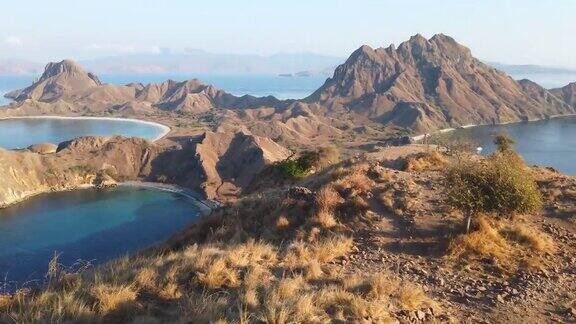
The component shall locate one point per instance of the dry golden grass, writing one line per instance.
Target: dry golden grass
(282, 222)
(386, 198)
(536, 239)
(428, 161)
(356, 183)
(327, 200)
(110, 298)
(219, 274)
(412, 297)
(507, 244)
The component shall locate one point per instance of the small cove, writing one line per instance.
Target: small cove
(90, 225)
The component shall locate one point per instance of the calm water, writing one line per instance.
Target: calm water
(547, 80)
(21, 133)
(548, 142)
(9, 83)
(89, 225)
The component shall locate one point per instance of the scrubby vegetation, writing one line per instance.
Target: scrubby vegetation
(432, 160)
(308, 162)
(496, 191)
(500, 184)
(505, 245)
(293, 168)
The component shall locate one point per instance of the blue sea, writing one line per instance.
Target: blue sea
(17, 133)
(85, 226)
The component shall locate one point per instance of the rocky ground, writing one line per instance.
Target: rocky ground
(413, 251)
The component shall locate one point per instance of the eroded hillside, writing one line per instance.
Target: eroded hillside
(354, 241)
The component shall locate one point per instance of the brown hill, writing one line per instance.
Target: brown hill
(59, 79)
(431, 84)
(214, 164)
(567, 93)
(68, 82)
(195, 96)
(219, 163)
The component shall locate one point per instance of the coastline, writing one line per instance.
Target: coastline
(206, 206)
(165, 129)
(33, 193)
(420, 137)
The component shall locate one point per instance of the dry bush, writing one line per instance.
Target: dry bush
(505, 244)
(322, 158)
(299, 254)
(427, 161)
(327, 200)
(387, 200)
(412, 297)
(499, 184)
(218, 274)
(536, 239)
(354, 184)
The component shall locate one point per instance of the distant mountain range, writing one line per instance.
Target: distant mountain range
(530, 69)
(202, 62)
(194, 61)
(197, 61)
(19, 67)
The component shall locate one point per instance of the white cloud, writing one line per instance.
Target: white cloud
(14, 41)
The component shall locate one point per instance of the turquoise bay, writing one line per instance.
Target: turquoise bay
(90, 225)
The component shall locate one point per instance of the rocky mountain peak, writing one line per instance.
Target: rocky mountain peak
(58, 80)
(431, 83)
(567, 94)
(69, 67)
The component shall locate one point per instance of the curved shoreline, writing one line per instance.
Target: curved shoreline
(165, 129)
(206, 206)
(451, 129)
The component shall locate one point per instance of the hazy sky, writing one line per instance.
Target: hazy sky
(507, 31)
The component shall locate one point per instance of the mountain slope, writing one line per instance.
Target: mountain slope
(567, 93)
(429, 84)
(57, 80)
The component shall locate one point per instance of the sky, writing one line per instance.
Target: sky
(506, 31)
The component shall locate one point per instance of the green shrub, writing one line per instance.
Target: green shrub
(308, 162)
(499, 184)
(293, 168)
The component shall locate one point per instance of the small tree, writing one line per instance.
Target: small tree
(504, 143)
(500, 184)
